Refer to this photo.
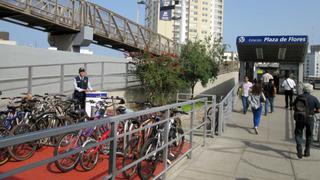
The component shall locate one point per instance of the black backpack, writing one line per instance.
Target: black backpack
(301, 108)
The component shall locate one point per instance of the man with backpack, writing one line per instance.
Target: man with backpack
(305, 106)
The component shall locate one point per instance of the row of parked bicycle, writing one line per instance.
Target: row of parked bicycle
(28, 113)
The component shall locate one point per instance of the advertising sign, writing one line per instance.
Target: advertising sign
(165, 13)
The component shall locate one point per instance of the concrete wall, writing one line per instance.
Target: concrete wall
(12, 56)
(221, 86)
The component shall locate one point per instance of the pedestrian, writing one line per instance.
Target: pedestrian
(305, 106)
(246, 86)
(256, 98)
(266, 77)
(270, 92)
(288, 84)
(81, 86)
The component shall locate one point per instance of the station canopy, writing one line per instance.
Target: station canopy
(289, 49)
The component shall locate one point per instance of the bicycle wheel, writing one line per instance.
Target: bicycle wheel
(130, 154)
(58, 122)
(209, 117)
(66, 144)
(147, 167)
(4, 154)
(89, 157)
(25, 150)
(40, 124)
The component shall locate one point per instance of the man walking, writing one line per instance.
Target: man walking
(270, 92)
(305, 107)
(246, 86)
(288, 84)
(266, 78)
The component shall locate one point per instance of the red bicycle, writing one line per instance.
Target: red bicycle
(90, 156)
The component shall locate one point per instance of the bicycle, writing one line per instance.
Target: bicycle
(75, 140)
(147, 167)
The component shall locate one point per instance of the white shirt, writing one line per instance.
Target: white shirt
(288, 84)
(266, 77)
(246, 88)
(79, 89)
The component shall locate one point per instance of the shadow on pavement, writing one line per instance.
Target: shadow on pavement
(260, 147)
(240, 127)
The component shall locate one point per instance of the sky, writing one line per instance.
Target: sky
(241, 17)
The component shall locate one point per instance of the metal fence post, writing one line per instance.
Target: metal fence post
(213, 115)
(102, 75)
(165, 150)
(113, 150)
(61, 79)
(205, 123)
(220, 119)
(127, 74)
(30, 79)
(193, 116)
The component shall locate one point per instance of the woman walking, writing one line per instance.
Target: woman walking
(255, 98)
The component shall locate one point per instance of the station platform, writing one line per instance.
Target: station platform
(242, 155)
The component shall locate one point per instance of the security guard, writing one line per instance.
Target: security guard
(312, 107)
(81, 86)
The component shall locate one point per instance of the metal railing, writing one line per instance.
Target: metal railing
(110, 29)
(114, 121)
(226, 107)
(211, 115)
(62, 80)
(219, 112)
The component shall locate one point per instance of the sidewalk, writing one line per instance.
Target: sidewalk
(241, 154)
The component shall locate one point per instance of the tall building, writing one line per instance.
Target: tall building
(203, 18)
(312, 62)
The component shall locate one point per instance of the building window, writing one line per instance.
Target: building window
(204, 32)
(205, 14)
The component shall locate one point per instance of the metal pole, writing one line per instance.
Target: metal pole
(213, 115)
(205, 123)
(165, 150)
(127, 74)
(61, 78)
(193, 116)
(113, 150)
(102, 75)
(220, 119)
(30, 79)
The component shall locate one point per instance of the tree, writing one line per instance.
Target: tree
(200, 61)
(160, 77)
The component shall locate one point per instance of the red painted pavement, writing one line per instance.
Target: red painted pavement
(50, 172)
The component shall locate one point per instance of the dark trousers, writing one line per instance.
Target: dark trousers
(81, 98)
(288, 94)
(245, 104)
(300, 125)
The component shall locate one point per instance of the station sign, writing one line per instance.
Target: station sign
(272, 39)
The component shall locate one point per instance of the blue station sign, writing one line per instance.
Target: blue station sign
(272, 39)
